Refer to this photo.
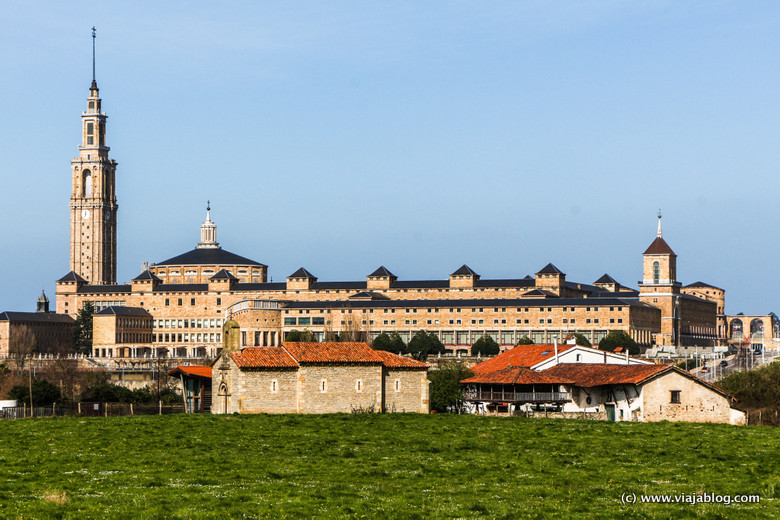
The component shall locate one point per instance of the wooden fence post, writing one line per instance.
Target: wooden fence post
(105, 409)
(131, 409)
(159, 403)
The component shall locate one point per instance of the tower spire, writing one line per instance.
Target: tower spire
(208, 231)
(660, 235)
(94, 83)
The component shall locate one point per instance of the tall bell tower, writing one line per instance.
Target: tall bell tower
(93, 198)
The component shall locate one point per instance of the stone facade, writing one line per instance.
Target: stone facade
(93, 207)
(40, 332)
(190, 296)
(282, 380)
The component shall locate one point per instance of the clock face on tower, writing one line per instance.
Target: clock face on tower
(85, 214)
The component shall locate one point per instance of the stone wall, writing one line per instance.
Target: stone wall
(347, 388)
(698, 403)
(406, 391)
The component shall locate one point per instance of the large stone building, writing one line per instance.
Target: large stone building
(188, 297)
(24, 333)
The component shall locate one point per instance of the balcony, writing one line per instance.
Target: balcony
(508, 396)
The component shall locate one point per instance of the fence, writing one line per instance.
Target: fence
(93, 410)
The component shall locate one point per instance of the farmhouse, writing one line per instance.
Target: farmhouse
(572, 379)
(301, 377)
(645, 393)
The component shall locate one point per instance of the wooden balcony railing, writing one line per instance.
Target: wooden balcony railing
(517, 397)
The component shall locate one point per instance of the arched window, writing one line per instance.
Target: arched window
(736, 329)
(86, 183)
(656, 272)
(757, 328)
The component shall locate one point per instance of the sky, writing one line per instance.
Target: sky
(341, 136)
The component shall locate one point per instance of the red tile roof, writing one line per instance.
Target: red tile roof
(333, 352)
(520, 356)
(659, 247)
(263, 357)
(597, 374)
(516, 376)
(391, 360)
(191, 370)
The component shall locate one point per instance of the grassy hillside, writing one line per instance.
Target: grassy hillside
(380, 466)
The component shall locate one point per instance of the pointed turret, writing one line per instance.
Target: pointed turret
(208, 231)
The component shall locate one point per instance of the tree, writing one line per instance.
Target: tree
(581, 339)
(81, 340)
(300, 335)
(525, 340)
(619, 338)
(44, 393)
(485, 346)
(390, 342)
(424, 344)
(446, 391)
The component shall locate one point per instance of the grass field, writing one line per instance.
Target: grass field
(378, 466)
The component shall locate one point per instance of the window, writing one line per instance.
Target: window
(192, 301)
(676, 396)
(304, 321)
(167, 302)
(274, 386)
(656, 272)
(359, 386)
(324, 386)
(397, 385)
(318, 321)
(290, 321)
(180, 302)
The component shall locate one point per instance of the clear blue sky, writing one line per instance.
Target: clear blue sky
(339, 136)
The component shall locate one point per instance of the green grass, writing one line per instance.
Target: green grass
(377, 466)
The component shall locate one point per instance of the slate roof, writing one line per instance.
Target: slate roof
(659, 247)
(703, 284)
(472, 302)
(223, 274)
(369, 295)
(71, 277)
(550, 269)
(104, 289)
(302, 273)
(465, 270)
(606, 279)
(264, 357)
(39, 317)
(540, 292)
(209, 256)
(192, 371)
(120, 310)
(147, 275)
(520, 356)
(516, 376)
(382, 271)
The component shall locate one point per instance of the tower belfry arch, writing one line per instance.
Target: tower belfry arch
(93, 206)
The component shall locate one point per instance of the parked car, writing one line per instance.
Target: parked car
(724, 363)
